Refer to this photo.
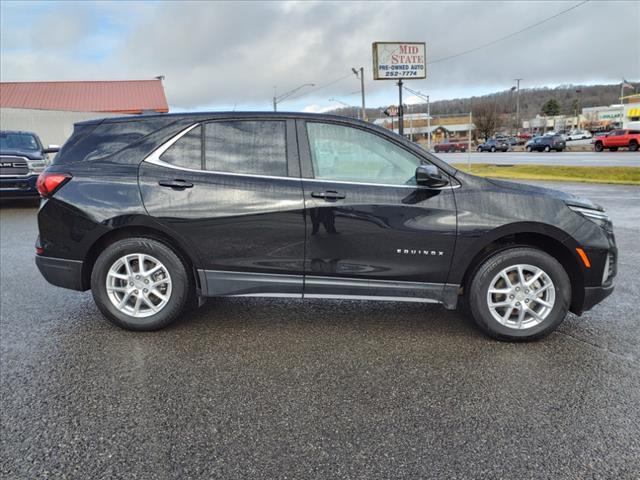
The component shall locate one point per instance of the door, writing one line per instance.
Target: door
(231, 190)
(371, 231)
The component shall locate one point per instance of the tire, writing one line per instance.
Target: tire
(452, 150)
(462, 150)
(633, 146)
(547, 148)
(479, 149)
(493, 149)
(529, 149)
(559, 290)
(178, 286)
(598, 147)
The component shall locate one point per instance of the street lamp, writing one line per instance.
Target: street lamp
(286, 95)
(340, 102)
(360, 74)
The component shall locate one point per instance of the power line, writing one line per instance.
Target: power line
(307, 92)
(475, 49)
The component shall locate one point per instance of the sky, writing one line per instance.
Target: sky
(231, 55)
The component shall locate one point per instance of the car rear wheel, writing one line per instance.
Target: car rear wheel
(140, 284)
(529, 149)
(479, 149)
(598, 147)
(633, 146)
(493, 149)
(519, 294)
(547, 148)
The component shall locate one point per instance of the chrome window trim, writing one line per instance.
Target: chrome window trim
(154, 158)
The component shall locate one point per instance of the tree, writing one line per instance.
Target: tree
(485, 117)
(551, 108)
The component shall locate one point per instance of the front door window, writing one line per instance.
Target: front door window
(349, 154)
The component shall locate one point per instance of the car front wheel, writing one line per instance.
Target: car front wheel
(140, 284)
(519, 294)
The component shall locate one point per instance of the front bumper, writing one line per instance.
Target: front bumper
(19, 187)
(594, 295)
(61, 272)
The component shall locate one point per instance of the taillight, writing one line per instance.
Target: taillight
(48, 183)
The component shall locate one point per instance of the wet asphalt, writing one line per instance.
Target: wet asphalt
(261, 388)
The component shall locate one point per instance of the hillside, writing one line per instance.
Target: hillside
(531, 101)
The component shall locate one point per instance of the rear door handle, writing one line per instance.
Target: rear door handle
(175, 184)
(328, 195)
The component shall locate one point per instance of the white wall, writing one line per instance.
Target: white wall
(53, 127)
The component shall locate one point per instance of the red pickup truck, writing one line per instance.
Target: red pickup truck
(618, 139)
(449, 146)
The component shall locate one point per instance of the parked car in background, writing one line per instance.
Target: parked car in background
(307, 206)
(618, 139)
(22, 158)
(546, 143)
(578, 135)
(494, 145)
(451, 146)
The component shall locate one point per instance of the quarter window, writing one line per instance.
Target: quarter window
(246, 146)
(187, 151)
(353, 155)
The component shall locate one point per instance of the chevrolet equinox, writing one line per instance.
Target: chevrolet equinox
(155, 213)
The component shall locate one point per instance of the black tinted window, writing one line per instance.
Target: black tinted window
(187, 151)
(246, 146)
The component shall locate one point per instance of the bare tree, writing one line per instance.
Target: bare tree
(486, 118)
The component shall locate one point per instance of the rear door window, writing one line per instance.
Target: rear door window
(187, 151)
(255, 147)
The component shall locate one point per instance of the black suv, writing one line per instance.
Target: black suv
(22, 158)
(154, 213)
(547, 143)
(494, 144)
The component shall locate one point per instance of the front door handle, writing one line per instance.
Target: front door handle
(328, 195)
(175, 184)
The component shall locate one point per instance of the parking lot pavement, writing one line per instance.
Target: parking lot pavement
(258, 388)
(586, 159)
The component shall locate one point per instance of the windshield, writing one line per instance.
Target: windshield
(18, 141)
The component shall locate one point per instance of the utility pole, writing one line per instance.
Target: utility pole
(428, 124)
(469, 142)
(518, 104)
(360, 74)
(400, 110)
(286, 95)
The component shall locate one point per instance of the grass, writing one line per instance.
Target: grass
(616, 175)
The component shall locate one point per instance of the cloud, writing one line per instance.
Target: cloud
(318, 108)
(217, 53)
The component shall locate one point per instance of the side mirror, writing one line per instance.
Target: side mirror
(51, 149)
(429, 176)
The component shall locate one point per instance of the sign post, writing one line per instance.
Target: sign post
(398, 61)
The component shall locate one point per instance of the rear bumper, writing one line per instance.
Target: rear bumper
(61, 272)
(19, 187)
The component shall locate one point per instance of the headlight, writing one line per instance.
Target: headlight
(596, 216)
(36, 166)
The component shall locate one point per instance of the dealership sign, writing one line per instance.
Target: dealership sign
(399, 60)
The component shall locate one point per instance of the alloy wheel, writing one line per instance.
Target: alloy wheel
(521, 296)
(138, 285)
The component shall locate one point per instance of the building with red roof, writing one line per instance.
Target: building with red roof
(124, 97)
(51, 108)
